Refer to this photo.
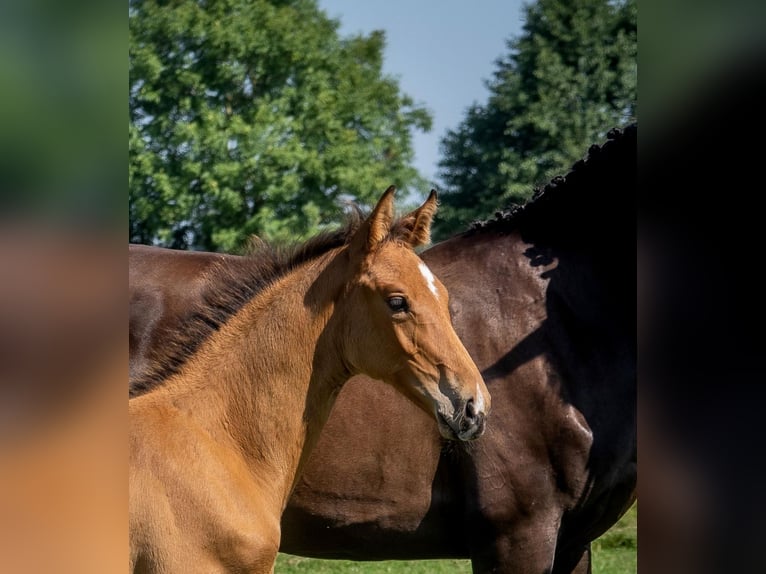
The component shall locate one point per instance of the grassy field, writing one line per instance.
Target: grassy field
(613, 553)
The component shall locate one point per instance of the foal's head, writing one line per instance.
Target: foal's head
(400, 329)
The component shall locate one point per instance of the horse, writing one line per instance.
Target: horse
(157, 305)
(543, 297)
(219, 434)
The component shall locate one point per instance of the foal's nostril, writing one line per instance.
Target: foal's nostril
(470, 410)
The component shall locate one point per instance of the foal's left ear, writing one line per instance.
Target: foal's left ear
(376, 227)
(415, 227)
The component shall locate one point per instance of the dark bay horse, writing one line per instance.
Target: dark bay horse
(216, 444)
(157, 305)
(543, 297)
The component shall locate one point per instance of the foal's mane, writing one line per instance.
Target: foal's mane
(228, 287)
(578, 199)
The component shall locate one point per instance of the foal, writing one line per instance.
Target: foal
(216, 448)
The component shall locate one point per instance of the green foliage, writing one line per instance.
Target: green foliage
(567, 80)
(254, 116)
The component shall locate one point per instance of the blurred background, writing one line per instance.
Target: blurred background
(260, 117)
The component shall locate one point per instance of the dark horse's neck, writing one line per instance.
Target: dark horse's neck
(560, 275)
(275, 363)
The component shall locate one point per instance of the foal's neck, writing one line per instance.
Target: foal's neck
(266, 381)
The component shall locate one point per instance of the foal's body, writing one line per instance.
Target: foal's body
(215, 450)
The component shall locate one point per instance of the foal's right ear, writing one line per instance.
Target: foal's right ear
(415, 227)
(376, 227)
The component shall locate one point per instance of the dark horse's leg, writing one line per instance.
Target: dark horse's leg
(583, 566)
(511, 562)
(523, 549)
(573, 561)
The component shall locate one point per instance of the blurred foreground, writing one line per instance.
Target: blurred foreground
(63, 344)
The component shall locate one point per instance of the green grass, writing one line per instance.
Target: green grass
(613, 553)
(287, 564)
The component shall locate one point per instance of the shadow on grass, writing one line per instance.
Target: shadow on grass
(613, 553)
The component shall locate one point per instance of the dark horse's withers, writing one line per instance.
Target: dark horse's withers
(544, 300)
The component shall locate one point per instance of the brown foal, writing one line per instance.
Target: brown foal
(216, 448)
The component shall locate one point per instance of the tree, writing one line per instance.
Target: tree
(253, 116)
(568, 79)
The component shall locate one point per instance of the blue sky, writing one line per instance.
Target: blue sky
(441, 51)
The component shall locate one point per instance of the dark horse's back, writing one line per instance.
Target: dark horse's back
(544, 300)
(165, 286)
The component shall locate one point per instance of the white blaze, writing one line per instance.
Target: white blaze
(429, 277)
(479, 403)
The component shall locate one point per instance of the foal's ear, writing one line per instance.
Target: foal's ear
(377, 226)
(415, 227)
(381, 219)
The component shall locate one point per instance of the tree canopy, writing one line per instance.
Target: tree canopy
(255, 117)
(563, 83)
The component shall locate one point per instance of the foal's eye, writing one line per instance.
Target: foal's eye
(397, 304)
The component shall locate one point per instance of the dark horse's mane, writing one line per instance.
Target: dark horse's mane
(568, 206)
(228, 287)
